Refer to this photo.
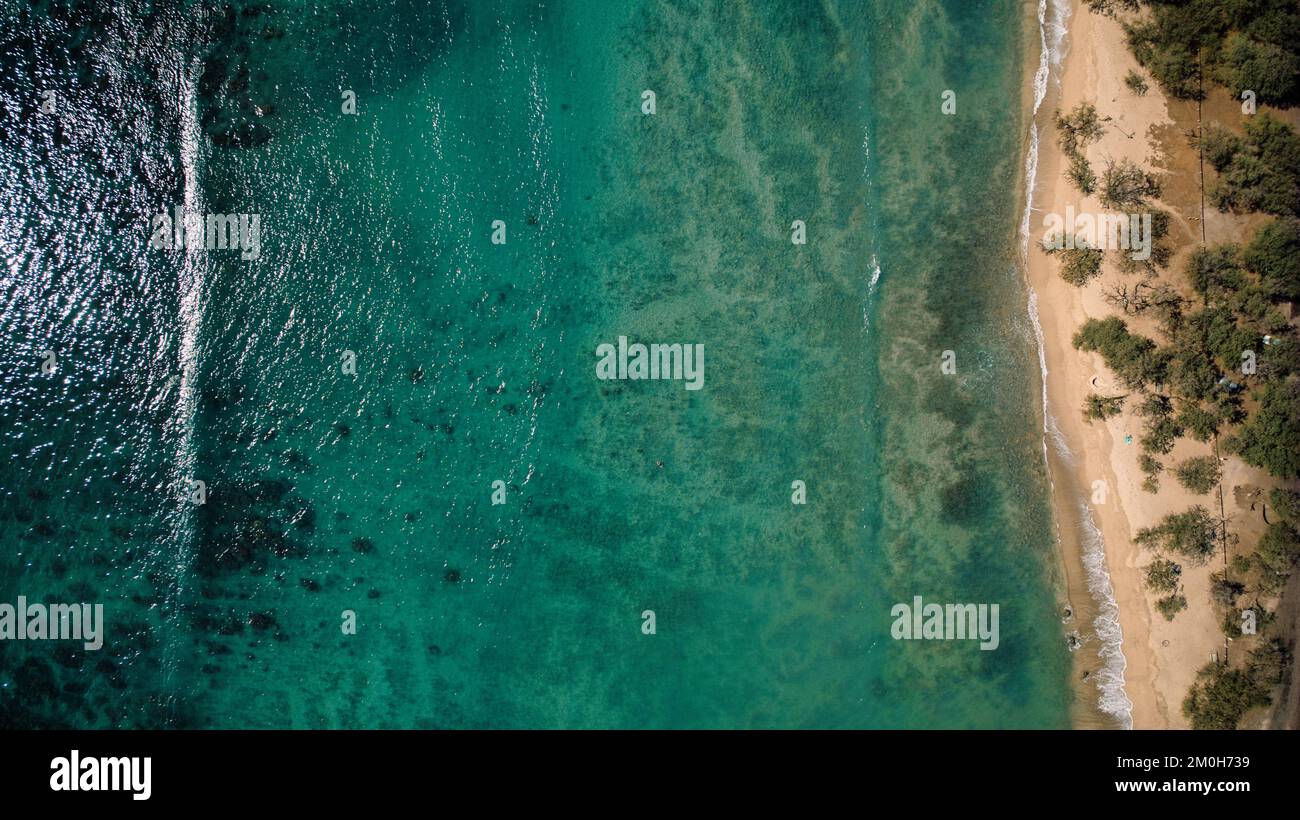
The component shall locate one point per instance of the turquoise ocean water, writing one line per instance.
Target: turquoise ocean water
(329, 492)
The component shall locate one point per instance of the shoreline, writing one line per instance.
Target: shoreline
(1090, 613)
(1116, 672)
(1117, 676)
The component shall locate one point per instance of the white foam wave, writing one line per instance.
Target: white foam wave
(1113, 699)
(192, 272)
(190, 286)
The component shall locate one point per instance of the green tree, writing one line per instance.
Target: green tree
(1079, 128)
(1215, 271)
(1081, 175)
(1220, 696)
(1135, 359)
(1274, 254)
(1268, 661)
(1161, 430)
(1286, 505)
(1199, 423)
(1100, 408)
(1271, 437)
(1111, 8)
(1264, 174)
(1193, 534)
(1224, 591)
(1276, 555)
(1268, 70)
(1151, 468)
(1219, 146)
(1199, 474)
(1124, 185)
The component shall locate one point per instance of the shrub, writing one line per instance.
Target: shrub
(1162, 575)
(1136, 83)
(1079, 264)
(1171, 605)
(1271, 437)
(1224, 591)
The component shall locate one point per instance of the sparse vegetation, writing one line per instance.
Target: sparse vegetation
(1136, 83)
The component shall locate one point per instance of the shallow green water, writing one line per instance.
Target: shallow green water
(372, 493)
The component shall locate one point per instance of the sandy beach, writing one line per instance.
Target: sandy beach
(1161, 658)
